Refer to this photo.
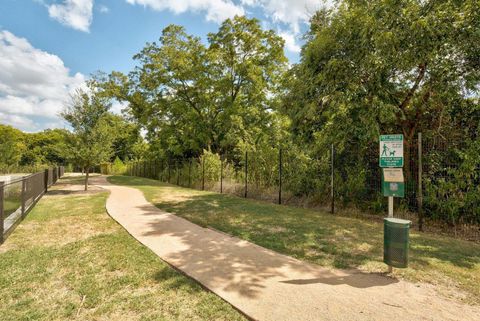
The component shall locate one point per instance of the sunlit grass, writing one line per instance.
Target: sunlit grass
(321, 238)
(68, 260)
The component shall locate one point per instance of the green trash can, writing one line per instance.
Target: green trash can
(396, 242)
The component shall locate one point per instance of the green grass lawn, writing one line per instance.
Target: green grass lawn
(319, 237)
(68, 260)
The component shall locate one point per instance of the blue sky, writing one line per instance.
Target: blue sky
(49, 47)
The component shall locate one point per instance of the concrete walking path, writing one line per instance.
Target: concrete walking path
(269, 286)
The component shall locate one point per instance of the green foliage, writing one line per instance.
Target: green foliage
(118, 167)
(372, 67)
(221, 91)
(91, 122)
(30, 152)
(11, 146)
(458, 188)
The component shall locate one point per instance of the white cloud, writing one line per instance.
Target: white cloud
(290, 41)
(118, 107)
(76, 14)
(216, 10)
(33, 83)
(290, 12)
(16, 121)
(103, 8)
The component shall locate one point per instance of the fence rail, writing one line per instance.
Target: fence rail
(18, 196)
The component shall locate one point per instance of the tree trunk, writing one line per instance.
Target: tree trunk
(87, 170)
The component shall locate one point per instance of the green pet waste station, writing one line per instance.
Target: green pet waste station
(396, 242)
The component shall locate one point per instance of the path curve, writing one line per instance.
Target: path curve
(266, 285)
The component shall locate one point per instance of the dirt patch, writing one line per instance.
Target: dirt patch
(74, 189)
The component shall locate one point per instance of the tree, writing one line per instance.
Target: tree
(91, 143)
(45, 147)
(192, 97)
(127, 143)
(372, 67)
(11, 145)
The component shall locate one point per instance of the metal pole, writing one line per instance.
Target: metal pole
(221, 175)
(332, 179)
(190, 174)
(169, 171)
(46, 180)
(203, 172)
(178, 175)
(390, 206)
(2, 218)
(390, 214)
(246, 173)
(24, 187)
(420, 185)
(280, 176)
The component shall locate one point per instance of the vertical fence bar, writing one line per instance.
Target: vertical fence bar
(169, 171)
(190, 174)
(246, 173)
(420, 185)
(46, 180)
(221, 175)
(2, 214)
(178, 174)
(203, 172)
(280, 165)
(24, 192)
(332, 179)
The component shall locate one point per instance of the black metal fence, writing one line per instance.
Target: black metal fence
(19, 195)
(287, 176)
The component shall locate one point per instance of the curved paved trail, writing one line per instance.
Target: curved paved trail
(269, 286)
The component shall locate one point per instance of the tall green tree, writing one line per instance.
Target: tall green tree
(191, 97)
(372, 67)
(89, 118)
(11, 145)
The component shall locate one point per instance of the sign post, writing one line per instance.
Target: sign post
(391, 162)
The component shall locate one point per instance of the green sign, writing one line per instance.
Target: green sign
(391, 150)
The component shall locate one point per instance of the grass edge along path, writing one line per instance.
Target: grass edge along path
(451, 265)
(70, 260)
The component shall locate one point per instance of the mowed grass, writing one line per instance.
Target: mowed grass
(68, 260)
(319, 237)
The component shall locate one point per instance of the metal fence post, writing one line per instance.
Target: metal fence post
(221, 175)
(46, 180)
(280, 165)
(246, 173)
(203, 172)
(190, 174)
(420, 185)
(162, 171)
(2, 214)
(178, 174)
(155, 168)
(332, 180)
(169, 171)
(24, 192)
